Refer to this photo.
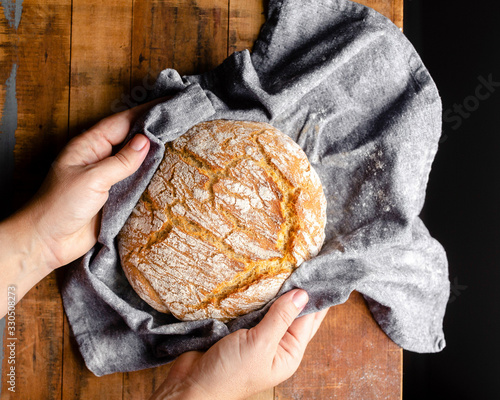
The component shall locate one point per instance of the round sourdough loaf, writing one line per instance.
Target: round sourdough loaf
(232, 210)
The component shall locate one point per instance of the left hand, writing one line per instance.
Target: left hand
(61, 223)
(65, 213)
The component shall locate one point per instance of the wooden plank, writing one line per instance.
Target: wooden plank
(100, 60)
(349, 358)
(139, 385)
(188, 36)
(392, 9)
(38, 351)
(100, 75)
(39, 48)
(35, 38)
(8, 109)
(192, 38)
(95, 90)
(245, 21)
(79, 382)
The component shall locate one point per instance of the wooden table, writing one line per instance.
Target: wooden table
(65, 64)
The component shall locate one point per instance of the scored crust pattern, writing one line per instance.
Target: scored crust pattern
(232, 210)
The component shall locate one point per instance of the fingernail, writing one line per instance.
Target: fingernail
(138, 142)
(300, 299)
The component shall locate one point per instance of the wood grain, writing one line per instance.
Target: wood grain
(245, 21)
(193, 39)
(9, 60)
(40, 49)
(100, 74)
(38, 357)
(100, 59)
(188, 36)
(139, 385)
(350, 356)
(392, 9)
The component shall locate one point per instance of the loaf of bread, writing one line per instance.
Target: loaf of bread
(233, 209)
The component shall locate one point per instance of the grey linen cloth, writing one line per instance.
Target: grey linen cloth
(347, 86)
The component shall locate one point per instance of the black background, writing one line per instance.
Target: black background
(459, 43)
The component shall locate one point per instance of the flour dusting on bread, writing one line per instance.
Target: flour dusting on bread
(233, 209)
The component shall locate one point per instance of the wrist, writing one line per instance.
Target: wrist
(30, 221)
(23, 258)
(24, 245)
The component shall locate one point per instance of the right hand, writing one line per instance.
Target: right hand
(247, 361)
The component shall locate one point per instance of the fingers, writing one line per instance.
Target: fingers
(280, 316)
(115, 127)
(301, 332)
(97, 143)
(123, 164)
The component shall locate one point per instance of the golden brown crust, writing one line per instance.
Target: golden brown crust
(232, 210)
(144, 288)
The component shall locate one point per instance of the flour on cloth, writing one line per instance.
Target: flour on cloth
(344, 83)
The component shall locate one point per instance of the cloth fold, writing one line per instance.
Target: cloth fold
(345, 84)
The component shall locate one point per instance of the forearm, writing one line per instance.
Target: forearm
(23, 258)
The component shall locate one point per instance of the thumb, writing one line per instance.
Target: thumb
(124, 163)
(281, 315)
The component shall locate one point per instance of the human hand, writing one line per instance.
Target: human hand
(247, 361)
(61, 223)
(65, 213)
